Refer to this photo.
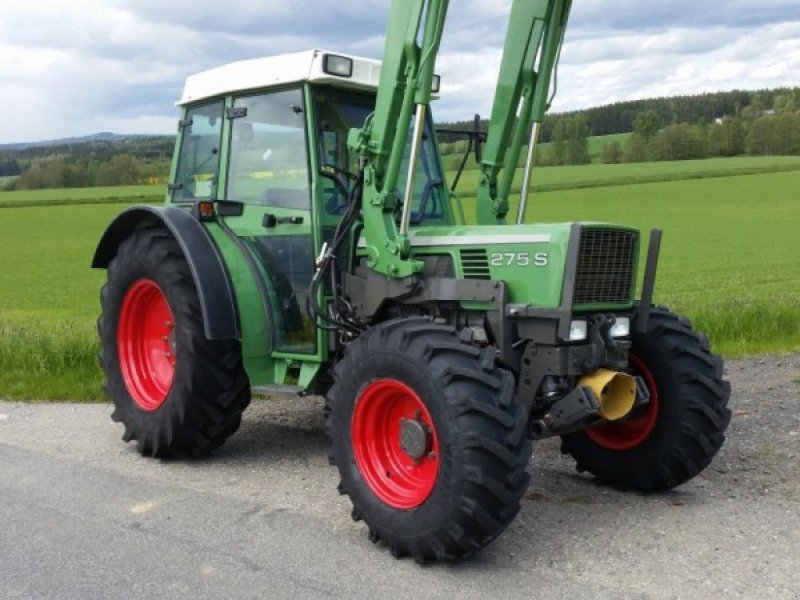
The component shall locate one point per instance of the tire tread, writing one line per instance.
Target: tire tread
(698, 433)
(479, 396)
(209, 392)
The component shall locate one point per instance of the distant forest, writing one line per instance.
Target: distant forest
(678, 128)
(619, 117)
(138, 159)
(762, 122)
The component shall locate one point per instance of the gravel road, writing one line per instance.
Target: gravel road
(83, 516)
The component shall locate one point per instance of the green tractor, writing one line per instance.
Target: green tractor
(309, 239)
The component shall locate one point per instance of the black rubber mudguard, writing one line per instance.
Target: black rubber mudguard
(217, 300)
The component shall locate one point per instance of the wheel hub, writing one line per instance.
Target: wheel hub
(415, 438)
(395, 445)
(146, 344)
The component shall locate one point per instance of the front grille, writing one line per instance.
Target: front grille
(606, 264)
(475, 263)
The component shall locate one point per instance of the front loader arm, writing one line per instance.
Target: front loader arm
(534, 38)
(404, 92)
(533, 42)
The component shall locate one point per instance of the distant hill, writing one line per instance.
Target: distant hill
(103, 136)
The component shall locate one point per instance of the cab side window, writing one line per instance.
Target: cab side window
(336, 115)
(268, 161)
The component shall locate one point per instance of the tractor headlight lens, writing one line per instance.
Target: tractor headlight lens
(341, 66)
(577, 331)
(622, 328)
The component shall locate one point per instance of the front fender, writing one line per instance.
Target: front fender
(217, 301)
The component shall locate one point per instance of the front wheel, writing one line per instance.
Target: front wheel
(675, 436)
(428, 440)
(175, 391)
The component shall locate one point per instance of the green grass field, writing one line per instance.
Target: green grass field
(596, 175)
(49, 301)
(731, 242)
(596, 144)
(729, 261)
(729, 254)
(93, 195)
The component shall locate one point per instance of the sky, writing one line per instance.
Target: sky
(76, 67)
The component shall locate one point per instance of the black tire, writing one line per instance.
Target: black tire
(209, 390)
(681, 432)
(479, 429)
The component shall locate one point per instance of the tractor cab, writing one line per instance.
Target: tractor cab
(266, 141)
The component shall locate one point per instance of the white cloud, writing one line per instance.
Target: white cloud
(91, 65)
(660, 63)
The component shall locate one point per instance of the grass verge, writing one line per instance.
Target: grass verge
(54, 363)
(60, 362)
(749, 326)
(80, 201)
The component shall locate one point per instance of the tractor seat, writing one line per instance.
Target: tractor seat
(287, 198)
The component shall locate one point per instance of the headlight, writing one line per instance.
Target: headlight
(340, 66)
(577, 331)
(622, 328)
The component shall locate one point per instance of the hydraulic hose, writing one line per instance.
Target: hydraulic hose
(327, 264)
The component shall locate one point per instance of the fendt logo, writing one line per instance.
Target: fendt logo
(518, 259)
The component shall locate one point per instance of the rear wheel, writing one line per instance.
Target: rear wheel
(428, 440)
(176, 392)
(673, 437)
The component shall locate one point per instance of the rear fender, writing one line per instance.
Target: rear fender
(217, 301)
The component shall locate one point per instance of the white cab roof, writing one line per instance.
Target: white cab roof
(277, 70)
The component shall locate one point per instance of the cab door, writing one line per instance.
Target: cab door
(268, 174)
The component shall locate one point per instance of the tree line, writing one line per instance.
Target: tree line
(773, 131)
(620, 117)
(96, 163)
(679, 128)
(63, 172)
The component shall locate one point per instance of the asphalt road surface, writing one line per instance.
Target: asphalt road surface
(82, 515)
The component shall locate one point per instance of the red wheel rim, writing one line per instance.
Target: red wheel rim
(146, 344)
(396, 477)
(630, 433)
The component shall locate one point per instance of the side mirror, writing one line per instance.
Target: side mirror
(478, 140)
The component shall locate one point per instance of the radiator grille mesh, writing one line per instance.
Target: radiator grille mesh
(606, 264)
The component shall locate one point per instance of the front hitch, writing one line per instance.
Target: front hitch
(602, 396)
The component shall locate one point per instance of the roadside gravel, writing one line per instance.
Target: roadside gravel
(733, 531)
(761, 457)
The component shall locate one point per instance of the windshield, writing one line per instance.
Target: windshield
(338, 112)
(198, 160)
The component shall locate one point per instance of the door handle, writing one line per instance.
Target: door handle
(271, 220)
